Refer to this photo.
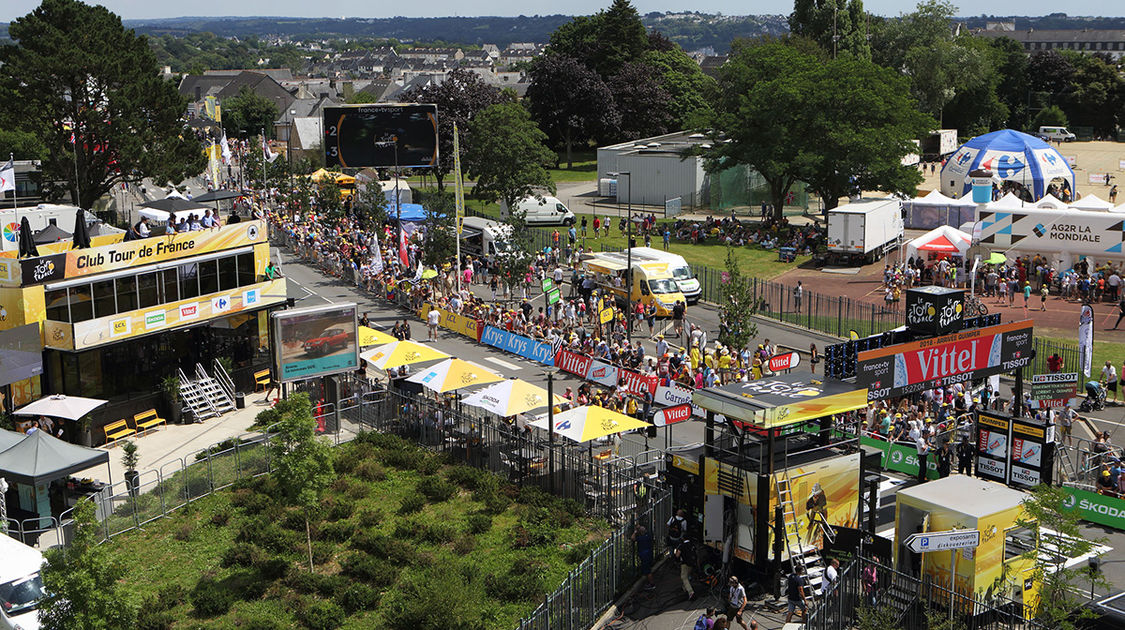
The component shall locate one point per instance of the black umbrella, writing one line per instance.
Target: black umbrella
(218, 195)
(174, 204)
(27, 240)
(81, 232)
(50, 234)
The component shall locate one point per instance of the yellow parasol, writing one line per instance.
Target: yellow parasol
(510, 397)
(453, 374)
(401, 353)
(372, 337)
(583, 424)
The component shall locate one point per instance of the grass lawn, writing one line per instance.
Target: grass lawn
(1111, 351)
(401, 540)
(583, 169)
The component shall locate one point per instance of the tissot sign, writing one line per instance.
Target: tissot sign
(912, 367)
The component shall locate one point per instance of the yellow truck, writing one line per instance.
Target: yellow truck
(652, 281)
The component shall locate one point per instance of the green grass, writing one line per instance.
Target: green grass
(489, 570)
(1104, 351)
(583, 169)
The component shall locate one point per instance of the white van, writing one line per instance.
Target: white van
(677, 266)
(545, 211)
(1055, 134)
(484, 237)
(21, 587)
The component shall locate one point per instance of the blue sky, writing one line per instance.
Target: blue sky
(365, 8)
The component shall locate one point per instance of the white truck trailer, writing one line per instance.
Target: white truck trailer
(863, 231)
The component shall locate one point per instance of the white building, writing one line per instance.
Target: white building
(658, 169)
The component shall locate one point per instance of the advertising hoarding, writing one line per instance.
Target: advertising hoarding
(992, 446)
(316, 341)
(1051, 391)
(517, 344)
(1014, 451)
(934, 311)
(908, 368)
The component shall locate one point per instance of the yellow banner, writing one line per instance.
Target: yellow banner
(126, 254)
(97, 332)
(815, 408)
(458, 323)
(458, 183)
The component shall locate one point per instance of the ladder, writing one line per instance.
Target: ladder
(194, 397)
(216, 396)
(801, 554)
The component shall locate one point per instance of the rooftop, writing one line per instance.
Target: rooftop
(973, 497)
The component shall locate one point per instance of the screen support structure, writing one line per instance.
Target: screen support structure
(398, 190)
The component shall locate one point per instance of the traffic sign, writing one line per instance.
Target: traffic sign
(548, 284)
(553, 296)
(944, 541)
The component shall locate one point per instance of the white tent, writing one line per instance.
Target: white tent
(160, 217)
(965, 202)
(1120, 208)
(1007, 202)
(942, 239)
(1050, 202)
(1091, 202)
(936, 209)
(60, 406)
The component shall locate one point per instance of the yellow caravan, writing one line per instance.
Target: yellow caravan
(652, 281)
(959, 502)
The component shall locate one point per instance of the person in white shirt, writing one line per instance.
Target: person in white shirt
(1109, 379)
(142, 228)
(831, 575)
(432, 319)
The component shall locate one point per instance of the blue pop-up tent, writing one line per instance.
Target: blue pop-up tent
(1011, 156)
(411, 212)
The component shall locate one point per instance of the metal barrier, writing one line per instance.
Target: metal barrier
(591, 587)
(869, 585)
(1067, 351)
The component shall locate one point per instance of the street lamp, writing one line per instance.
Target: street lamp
(289, 144)
(550, 372)
(628, 256)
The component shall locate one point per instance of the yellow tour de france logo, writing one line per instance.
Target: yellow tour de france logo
(532, 399)
(410, 355)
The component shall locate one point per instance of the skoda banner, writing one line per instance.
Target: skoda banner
(908, 368)
(1095, 508)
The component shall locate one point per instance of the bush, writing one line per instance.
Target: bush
(402, 460)
(431, 464)
(371, 471)
(347, 459)
(273, 568)
(155, 612)
(436, 489)
(220, 519)
(465, 476)
(537, 527)
(242, 554)
(337, 508)
(184, 531)
(577, 553)
(357, 596)
(464, 545)
(336, 531)
(496, 504)
(383, 546)
(309, 583)
(268, 535)
(257, 620)
(438, 532)
(370, 569)
(322, 615)
(479, 523)
(209, 598)
(387, 441)
(431, 596)
(370, 518)
(412, 503)
(486, 486)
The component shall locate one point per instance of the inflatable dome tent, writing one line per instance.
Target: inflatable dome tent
(1012, 156)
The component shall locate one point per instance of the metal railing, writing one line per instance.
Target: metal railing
(1067, 351)
(591, 587)
(867, 585)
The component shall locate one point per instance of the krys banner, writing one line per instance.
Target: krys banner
(83, 262)
(907, 368)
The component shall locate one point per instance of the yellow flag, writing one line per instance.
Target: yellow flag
(458, 183)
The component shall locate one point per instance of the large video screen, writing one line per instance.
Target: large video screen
(21, 353)
(367, 135)
(316, 341)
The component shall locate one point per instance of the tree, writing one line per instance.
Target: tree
(691, 91)
(858, 122)
(1052, 115)
(248, 114)
(622, 38)
(736, 316)
(21, 144)
(1010, 63)
(978, 108)
(508, 158)
(758, 114)
(83, 581)
(459, 98)
(1060, 607)
(302, 462)
(92, 91)
(838, 26)
(1096, 93)
(641, 101)
(371, 206)
(570, 102)
(440, 235)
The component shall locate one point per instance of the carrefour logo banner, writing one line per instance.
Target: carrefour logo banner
(1006, 164)
(1051, 164)
(1096, 508)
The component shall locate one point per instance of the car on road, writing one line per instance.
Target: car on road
(21, 587)
(331, 339)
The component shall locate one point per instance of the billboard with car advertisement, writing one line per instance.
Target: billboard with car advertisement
(907, 368)
(316, 341)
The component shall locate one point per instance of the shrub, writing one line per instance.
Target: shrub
(268, 535)
(402, 460)
(322, 615)
(273, 568)
(370, 518)
(370, 470)
(430, 465)
(522, 581)
(479, 523)
(386, 441)
(436, 489)
(336, 531)
(347, 459)
(337, 508)
(220, 518)
(209, 598)
(155, 612)
(465, 476)
(257, 620)
(242, 554)
(431, 596)
(412, 503)
(464, 545)
(497, 504)
(486, 486)
(184, 531)
(377, 571)
(294, 520)
(321, 551)
(308, 582)
(357, 596)
(438, 532)
(383, 546)
(577, 553)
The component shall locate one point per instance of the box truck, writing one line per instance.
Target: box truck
(862, 232)
(939, 143)
(484, 237)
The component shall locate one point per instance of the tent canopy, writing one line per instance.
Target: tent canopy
(371, 337)
(1050, 202)
(1091, 202)
(40, 458)
(218, 195)
(173, 204)
(453, 374)
(401, 353)
(781, 400)
(935, 198)
(1011, 156)
(1007, 202)
(943, 239)
(586, 423)
(509, 398)
(51, 234)
(413, 212)
(60, 406)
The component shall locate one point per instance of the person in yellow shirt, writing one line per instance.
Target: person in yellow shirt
(709, 360)
(695, 358)
(631, 407)
(724, 366)
(756, 369)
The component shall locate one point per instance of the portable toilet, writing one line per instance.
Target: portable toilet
(997, 566)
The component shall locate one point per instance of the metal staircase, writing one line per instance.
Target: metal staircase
(192, 396)
(801, 554)
(223, 378)
(216, 394)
